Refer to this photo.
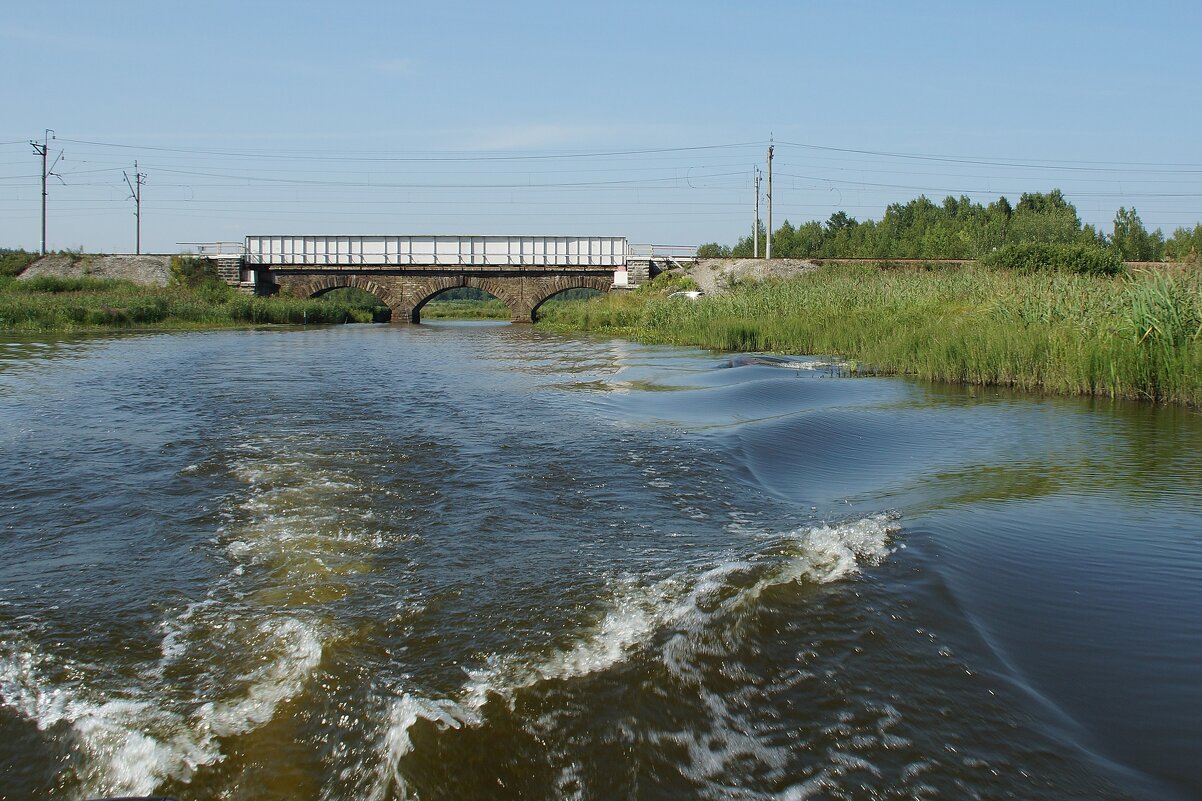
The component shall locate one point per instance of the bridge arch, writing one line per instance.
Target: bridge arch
(555, 286)
(430, 288)
(406, 294)
(319, 285)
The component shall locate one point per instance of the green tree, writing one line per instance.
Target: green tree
(840, 221)
(1185, 245)
(1132, 241)
(1040, 217)
(712, 250)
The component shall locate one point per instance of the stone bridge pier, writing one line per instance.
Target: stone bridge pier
(407, 292)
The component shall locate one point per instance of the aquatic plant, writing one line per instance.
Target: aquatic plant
(1067, 333)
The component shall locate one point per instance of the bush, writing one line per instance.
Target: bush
(667, 283)
(1032, 257)
(14, 262)
(712, 250)
(193, 271)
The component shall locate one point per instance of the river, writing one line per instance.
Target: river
(486, 562)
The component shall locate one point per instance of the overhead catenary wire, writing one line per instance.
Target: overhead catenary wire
(1004, 162)
(663, 183)
(440, 158)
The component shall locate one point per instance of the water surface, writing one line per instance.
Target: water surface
(484, 562)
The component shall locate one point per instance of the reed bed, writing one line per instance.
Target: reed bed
(1131, 336)
(75, 304)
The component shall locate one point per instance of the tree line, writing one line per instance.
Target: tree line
(961, 229)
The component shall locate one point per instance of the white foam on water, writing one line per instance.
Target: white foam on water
(299, 646)
(810, 788)
(636, 613)
(131, 738)
(298, 514)
(827, 553)
(689, 602)
(728, 748)
(403, 712)
(129, 742)
(129, 745)
(176, 631)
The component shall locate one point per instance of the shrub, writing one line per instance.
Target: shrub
(667, 283)
(712, 250)
(193, 271)
(14, 262)
(1032, 257)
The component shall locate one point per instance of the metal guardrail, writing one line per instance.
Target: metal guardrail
(436, 249)
(215, 250)
(670, 252)
(638, 251)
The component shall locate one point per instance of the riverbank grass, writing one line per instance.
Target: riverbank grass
(80, 304)
(489, 308)
(1133, 335)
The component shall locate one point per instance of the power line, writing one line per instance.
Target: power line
(368, 184)
(979, 191)
(1069, 166)
(311, 157)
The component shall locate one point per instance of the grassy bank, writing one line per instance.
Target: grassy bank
(1137, 336)
(490, 309)
(81, 304)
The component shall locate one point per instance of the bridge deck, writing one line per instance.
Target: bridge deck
(435, 250)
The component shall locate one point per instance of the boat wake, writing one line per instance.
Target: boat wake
(680, 622)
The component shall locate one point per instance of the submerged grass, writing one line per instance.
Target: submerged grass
(1136, 336)
(71, 304)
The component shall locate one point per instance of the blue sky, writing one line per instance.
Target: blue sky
(642, 120)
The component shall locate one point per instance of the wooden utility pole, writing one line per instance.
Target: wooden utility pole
(768, 246)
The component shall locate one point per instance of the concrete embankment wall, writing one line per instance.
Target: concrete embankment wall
(146, 269)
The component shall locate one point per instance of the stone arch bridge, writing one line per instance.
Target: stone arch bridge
(407, 271)
(407, 292)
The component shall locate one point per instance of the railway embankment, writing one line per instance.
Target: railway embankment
(142, 269)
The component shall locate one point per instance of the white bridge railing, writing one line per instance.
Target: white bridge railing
(217, 250)
(385, 251)
(666, 252)
(606, 251)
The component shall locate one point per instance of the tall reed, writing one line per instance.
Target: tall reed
(1131, 336)
(68, 304)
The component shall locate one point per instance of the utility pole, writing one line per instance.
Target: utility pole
(135, 190)
(755, 231)
(42, 149)
(768, 246)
